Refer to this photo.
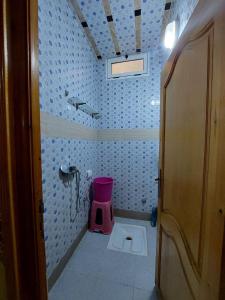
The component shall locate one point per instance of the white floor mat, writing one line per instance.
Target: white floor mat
(128, 238)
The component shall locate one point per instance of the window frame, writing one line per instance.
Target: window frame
(141, 56)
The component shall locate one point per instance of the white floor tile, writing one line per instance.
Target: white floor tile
(144, 280)
(140, 294)
(96, 273)
(107, 290)
(55, 294)
(73, 286)
(93, 240)
(118, 267)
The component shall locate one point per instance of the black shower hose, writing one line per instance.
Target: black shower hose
(77, 191)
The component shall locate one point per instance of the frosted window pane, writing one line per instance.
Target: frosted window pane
(131, 66)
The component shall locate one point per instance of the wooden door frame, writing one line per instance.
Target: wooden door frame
(21, 232)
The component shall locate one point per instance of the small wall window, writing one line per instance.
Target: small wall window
(133, 65)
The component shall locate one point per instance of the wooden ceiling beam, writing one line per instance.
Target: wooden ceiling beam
(86, 28)
(137, 14)
(109, 17)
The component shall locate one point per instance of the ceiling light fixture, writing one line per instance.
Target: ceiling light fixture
(170, 35)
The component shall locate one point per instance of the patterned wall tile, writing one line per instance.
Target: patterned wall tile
(183, 9)
(66, 62)
(126, 103)
(152, 15)
(124, 20)
(134, 166)
(60, 232)
(96, 19)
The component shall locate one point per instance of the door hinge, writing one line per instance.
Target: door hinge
(41, 212)
(41, 207)
(158, 180)
(1, 240)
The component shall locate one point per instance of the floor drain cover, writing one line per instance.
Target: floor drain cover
(129, 238)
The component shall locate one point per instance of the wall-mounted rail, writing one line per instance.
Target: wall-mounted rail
(83, 106)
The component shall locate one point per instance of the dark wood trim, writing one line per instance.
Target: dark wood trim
(61, 265)
(222, 273)
(8, 245)
(21, 188)
(130, 214)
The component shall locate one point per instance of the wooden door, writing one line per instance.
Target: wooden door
(192, 161)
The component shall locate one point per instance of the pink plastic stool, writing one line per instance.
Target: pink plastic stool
(102, 219)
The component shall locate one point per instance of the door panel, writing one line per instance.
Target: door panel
(172, 265)
(186, 106)
(192, 195)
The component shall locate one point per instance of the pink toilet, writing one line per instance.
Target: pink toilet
(102, 219)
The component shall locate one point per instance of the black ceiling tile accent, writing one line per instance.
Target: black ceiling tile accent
(137, 12)
(99, 57)
(84, 24)
(138, 50)
(167, 5)
(110, 18)
(118, 53)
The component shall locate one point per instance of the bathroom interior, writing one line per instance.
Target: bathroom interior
(97, 121)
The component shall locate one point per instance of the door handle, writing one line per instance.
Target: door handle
(221, 212)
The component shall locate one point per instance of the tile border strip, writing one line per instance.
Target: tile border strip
(128, 134)
(53, 126)
(57, 127)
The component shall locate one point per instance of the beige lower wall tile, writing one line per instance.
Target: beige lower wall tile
(53, 126)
